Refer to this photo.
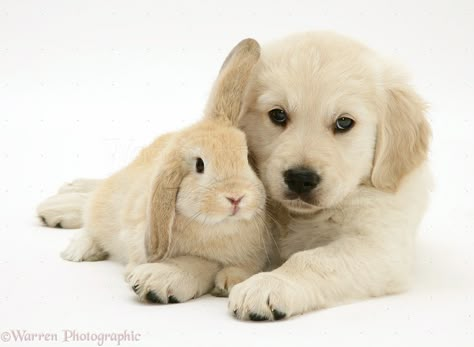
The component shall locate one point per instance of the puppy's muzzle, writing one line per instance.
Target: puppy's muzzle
(301, 180)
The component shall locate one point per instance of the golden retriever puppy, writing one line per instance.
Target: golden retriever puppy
(340, 141)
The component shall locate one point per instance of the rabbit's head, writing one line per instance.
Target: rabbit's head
(218, 183)
(205, 174)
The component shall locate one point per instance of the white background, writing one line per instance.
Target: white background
(85, 84)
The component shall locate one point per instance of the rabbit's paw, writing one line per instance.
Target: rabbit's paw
(227, 278)
(162, 283)
(63, 210)
(83, 248)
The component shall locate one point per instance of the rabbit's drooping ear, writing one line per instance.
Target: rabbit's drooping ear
(403, 136)
(226, 96)
(162, 207)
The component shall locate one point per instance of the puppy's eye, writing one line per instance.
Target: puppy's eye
(199, 165)
(343, 124)
(278, 116)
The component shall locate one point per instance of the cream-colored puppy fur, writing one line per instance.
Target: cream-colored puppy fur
(188, 214)
(352, 237)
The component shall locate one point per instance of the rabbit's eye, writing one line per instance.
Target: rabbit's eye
(199, 165)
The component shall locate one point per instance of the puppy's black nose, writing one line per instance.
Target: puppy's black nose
(301, 180)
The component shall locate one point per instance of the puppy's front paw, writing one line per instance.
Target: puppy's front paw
(162, 283)
(227, 278)
(266, 296)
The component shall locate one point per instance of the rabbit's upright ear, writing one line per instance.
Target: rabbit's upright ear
(162, 207)
(226, 96)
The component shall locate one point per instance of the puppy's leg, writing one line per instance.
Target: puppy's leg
(65, 209)
(228, 277)
(343, 271)
(173, 280)
(83, 248)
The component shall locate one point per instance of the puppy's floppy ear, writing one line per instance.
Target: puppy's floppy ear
(162, 206)
(226, 96)
(403, 136)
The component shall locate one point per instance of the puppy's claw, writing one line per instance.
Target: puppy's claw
(153, 298)
(277, 315)
(257, 317)
(172, 300)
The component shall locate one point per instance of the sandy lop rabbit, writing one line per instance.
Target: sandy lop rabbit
(187, 216)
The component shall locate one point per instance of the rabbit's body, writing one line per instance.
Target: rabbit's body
(116, 214)
(205, 226)
(118, 206)
(190, 204)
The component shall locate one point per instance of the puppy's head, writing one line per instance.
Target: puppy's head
(323, 115)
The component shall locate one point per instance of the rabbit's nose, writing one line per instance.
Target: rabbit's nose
(234, 201)
(235, 204)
